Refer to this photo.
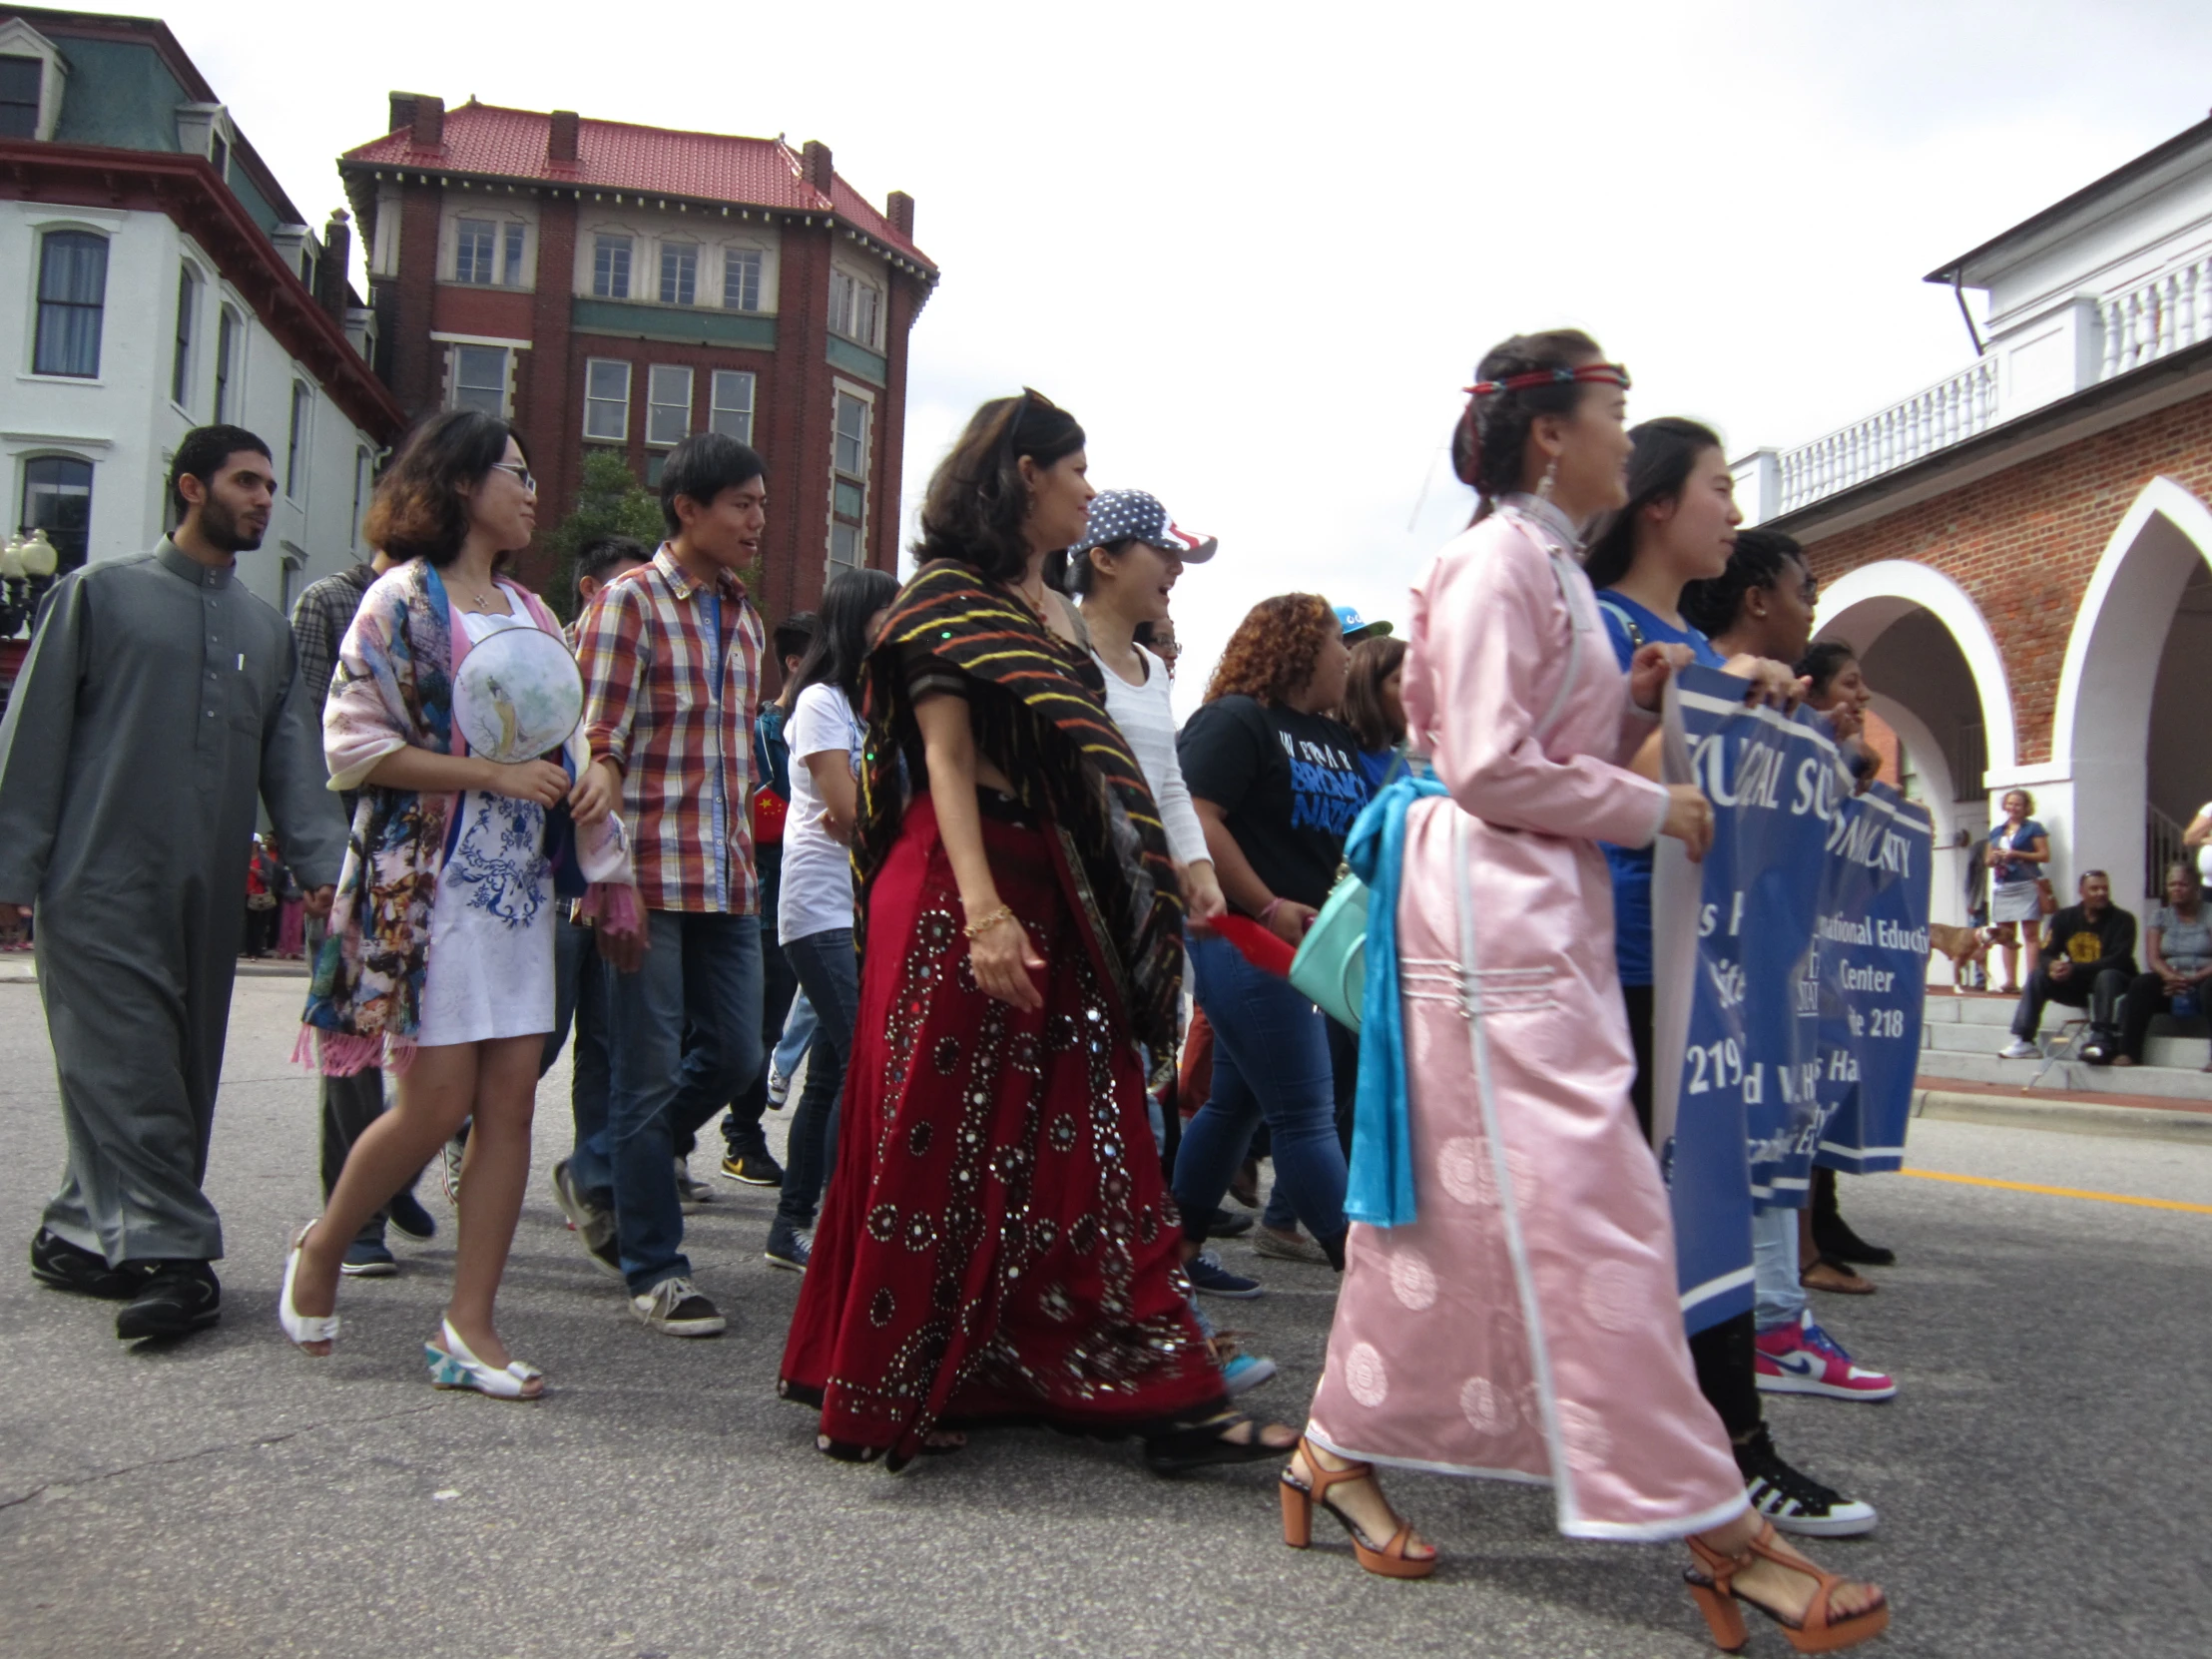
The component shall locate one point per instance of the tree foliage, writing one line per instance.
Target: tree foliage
(609, 502)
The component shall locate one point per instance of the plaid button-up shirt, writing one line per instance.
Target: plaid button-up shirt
(655, 704)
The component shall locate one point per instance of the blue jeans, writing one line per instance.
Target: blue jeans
(829, 976)
(797, 1033)
(741, 1125)
(1778, 1298)
(1271, 1061)
(580, 998)
(683, 1038)
(1344, 1059)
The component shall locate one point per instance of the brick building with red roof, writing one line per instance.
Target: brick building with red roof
(612, 286)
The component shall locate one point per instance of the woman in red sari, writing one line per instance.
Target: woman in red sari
(997, 1245)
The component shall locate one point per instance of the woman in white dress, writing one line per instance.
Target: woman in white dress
(440, 960)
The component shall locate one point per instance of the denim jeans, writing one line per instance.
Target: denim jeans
(1344, 1063)
(797, 1036)
(1778, 1298)
(1271, 1060)
(830, 974)
(580, 998)
(741, 1126)
(682, 1036)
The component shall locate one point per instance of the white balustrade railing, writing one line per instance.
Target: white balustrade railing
(2156, 318)
(1928, 421)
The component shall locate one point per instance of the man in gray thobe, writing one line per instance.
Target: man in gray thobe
(159, 699)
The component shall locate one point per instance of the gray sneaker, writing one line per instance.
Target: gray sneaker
(2020, 1048)
(1292, 1246)
(594, 1226)
(674, 1309)
(691, 1194)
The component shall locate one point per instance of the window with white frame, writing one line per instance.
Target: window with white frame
(296, 442)
(56, 498)
(225, 361)
(476, 250)
(732, 403)
(606, 399)
(479, 379)
(668, 396)
(180, 369)
(848, 482)
(610, 266)
(679, 274)
(72, 302)
(855, 308)
(741, 279)
(20, 79)
(510, 255)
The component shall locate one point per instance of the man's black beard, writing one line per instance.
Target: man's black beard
(221, 528)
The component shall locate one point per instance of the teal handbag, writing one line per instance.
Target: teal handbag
(1332, 962)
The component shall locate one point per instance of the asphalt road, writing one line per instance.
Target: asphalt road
(2041, 1476)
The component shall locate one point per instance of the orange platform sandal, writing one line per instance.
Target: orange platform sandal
(1712, 1582)
(1298, 1500)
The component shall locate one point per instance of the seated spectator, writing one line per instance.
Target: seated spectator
(2089, 962)
(2178, 946)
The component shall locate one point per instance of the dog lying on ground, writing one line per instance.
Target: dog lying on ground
(1962, 945)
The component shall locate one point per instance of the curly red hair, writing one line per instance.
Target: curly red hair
(1274, 649)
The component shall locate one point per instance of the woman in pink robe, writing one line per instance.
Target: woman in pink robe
(1524, 1324)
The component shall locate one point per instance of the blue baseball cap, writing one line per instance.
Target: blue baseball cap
(1357, 627)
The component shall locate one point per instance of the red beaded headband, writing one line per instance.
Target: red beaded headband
(1609, 375)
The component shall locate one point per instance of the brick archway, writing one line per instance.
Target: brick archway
(1862, 603)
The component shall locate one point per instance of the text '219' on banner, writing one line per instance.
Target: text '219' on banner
(1789, 969)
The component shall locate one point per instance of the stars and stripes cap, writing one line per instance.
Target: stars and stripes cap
(1134, 515)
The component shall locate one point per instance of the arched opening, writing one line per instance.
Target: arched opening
(2130, 726)
(1940, 683)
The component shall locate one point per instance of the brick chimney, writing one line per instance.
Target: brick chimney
(819, 171)
(560, 139)
(337, 258)
(402, 111)
(429, 122)
(899, 208)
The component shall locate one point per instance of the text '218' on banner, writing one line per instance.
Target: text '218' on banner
(1789, 969)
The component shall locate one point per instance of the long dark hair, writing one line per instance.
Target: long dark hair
(1490, 447)
(840, 643)
(1666, 453)
(1373, 661)
(1825, 661)
(419, 512)
(977, 500)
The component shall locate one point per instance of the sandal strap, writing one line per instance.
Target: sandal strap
(1323, 1478)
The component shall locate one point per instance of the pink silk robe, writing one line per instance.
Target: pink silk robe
(1526, 1325)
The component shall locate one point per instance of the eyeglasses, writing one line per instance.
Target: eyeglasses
(520, 471)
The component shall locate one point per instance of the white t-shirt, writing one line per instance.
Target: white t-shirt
(1146, 720)
(2204, 852)
(817, 894)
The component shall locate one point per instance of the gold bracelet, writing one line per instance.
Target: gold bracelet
(976, 929)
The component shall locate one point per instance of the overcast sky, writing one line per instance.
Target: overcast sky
(1257, 248)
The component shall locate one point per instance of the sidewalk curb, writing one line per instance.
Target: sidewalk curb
(2071, 1117)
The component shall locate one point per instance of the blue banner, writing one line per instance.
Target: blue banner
(1778, 1034)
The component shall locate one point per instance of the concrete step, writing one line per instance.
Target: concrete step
(1945, 1009)
(2188, 1053)
(2161, 1082)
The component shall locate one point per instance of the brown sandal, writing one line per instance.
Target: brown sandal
(1298, 1500)
(1715, 1589)
(1825, 1273)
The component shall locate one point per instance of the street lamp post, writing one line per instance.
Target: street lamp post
(27, 566)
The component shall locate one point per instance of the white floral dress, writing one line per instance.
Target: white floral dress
(489, 972)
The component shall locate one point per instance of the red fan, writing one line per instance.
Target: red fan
(1263, 948)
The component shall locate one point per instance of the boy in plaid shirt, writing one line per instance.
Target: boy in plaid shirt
(670, 657)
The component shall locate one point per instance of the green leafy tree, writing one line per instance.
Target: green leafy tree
(609, 502)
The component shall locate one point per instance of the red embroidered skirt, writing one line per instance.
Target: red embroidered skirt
(997, 1244)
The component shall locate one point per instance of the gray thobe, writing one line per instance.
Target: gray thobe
(160, 696)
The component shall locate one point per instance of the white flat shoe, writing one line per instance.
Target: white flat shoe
(304, 1329)
(453, 1366)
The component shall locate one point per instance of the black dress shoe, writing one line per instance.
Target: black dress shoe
(1834, 1239)
(64, 1266)
(176, 1299)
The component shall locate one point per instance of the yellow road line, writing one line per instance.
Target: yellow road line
(2062, 1192)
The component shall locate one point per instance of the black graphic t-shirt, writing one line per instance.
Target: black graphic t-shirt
(1288, 786)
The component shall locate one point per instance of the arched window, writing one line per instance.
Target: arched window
(71, 294)
(56, 498)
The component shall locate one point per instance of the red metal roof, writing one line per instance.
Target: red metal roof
(486, 140)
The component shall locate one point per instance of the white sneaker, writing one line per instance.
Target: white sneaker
(2020, 1048)
(779, 1087)
(674, 1309)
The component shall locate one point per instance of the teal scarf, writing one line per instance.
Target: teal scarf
(1379, 1190)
